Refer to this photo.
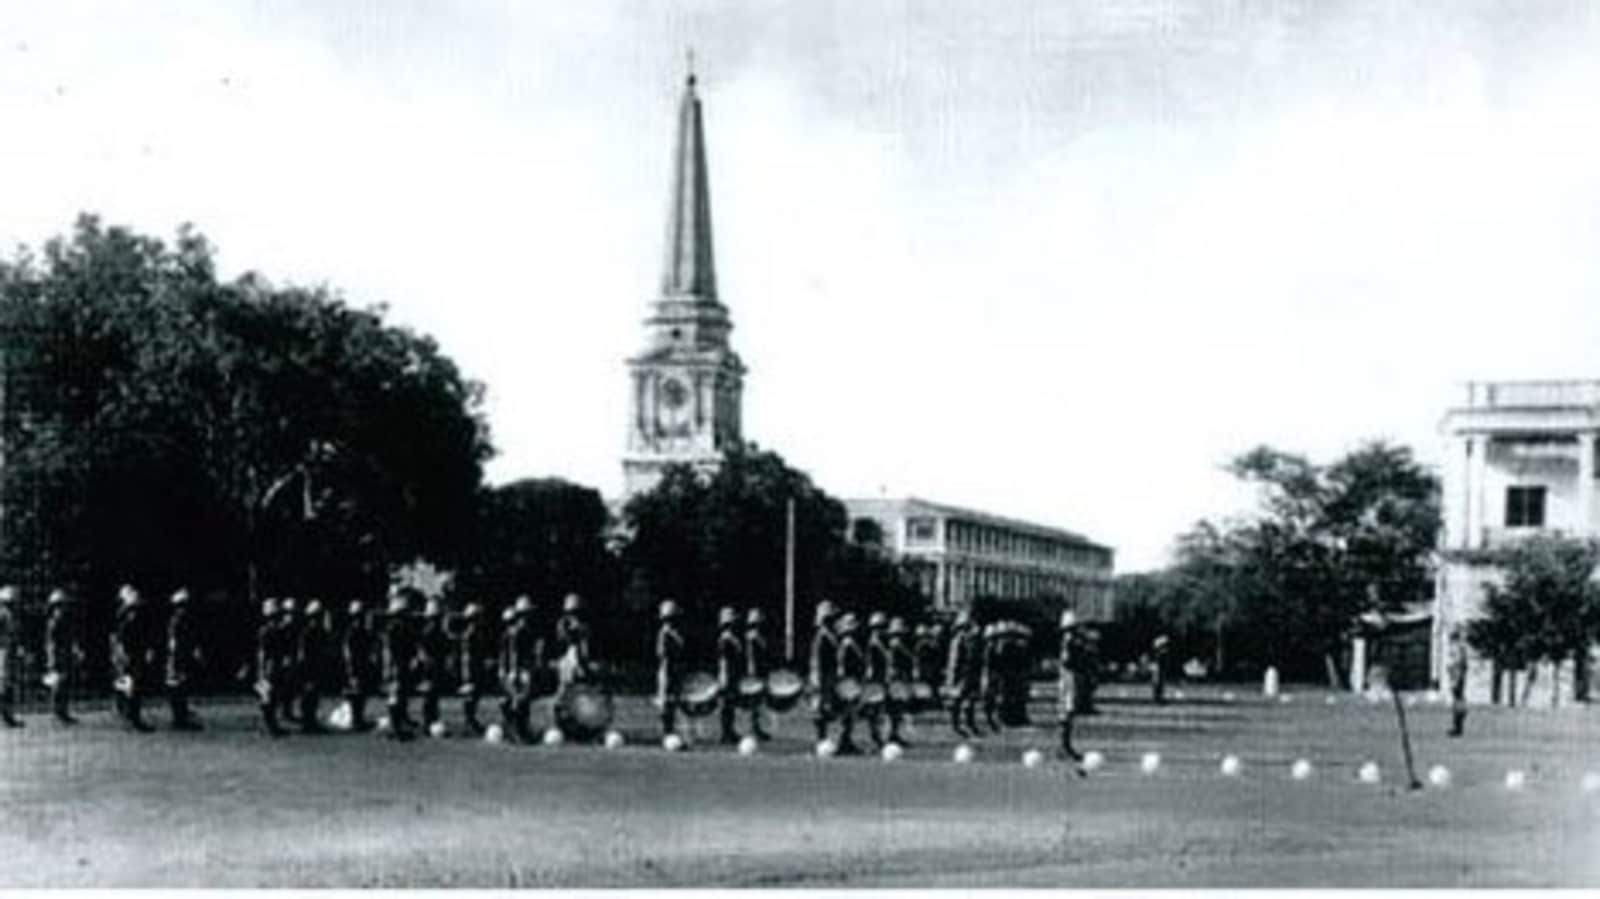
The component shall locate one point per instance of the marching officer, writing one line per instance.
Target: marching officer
(432, 661)
(183, 661)
(289, 696)
(521, 663)
(824, 668)
(993, 673)
(572, 631)
(1158, 669)
(730, 662)
(399, 660)
(132, 657)
(669, 667)
(852, 664)
(61, 652)
(356, 656)
(964, 674)
(1067, 686)
(314, 657)
(930, 658)
(878, 666)
(756, 664)
(903, 670)
(475, 652)
(271, 661)
(8, 644)
(1458, 682)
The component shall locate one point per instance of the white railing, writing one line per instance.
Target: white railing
(1491, 394)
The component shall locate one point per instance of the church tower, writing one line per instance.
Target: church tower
(687, 382)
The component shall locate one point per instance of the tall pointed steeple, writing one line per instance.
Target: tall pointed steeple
(689, 270)
(687, 383)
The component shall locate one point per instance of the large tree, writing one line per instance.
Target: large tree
(163, 426)
(1547, 609)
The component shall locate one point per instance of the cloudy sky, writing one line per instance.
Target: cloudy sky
(1054, 260)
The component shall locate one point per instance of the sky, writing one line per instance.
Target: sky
(1059, 261)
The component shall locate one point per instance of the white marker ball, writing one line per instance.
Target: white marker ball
(1227, 696)
(1178, 695)
(1369, 773)
(963, 754)
(1093, 760)
(672, 743)
(494, 733)
(1590, 782)
(554, 737)
(1285, 698)
(1301, 770)
(438, 730)
(1033, 758)
(1150, 763)
(340, 718)
(385, 725)
(1331, 700)
(1231, 766)
(748, 746)
(1439, 776)
(614, 739)
(1516, 780)
(826, 749)
(1411, 701)
(892, 752)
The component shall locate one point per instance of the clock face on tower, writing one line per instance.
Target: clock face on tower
(672, 416)
(673, 394)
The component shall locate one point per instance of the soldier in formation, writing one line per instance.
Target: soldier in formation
(1068, 660)
(62, 652)
(314, 662)
(903, 672)
(133, 657)
(183, 661)
(1458, 682)
(964, 675)
(757, 664)
(521, 661)
(399, 666)
(669, 667)
(824, 669)
(8, 644)
(730, 667)
(852, 666)
(476, 658)
(358, 663)
(432, 662)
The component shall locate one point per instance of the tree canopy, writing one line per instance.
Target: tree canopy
(1547, 609)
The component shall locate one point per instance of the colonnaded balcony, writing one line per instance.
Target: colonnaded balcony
(1531, 394)
(1500, 537)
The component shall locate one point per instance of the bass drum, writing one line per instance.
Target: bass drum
(784, 689)
(873, 697)
(848, 692)
(751, 690)
(700, 694)
(899, 694)
(584, 711)
(922, 696)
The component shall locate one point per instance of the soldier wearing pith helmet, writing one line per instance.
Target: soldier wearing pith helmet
(824, 667)
(757, 662)
(183, 660)
(8, 642)
(61, 652)
(730, 665)
(669, 667)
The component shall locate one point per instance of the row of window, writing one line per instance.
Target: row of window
(961, 536)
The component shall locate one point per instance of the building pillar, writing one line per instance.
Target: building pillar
(1473, 534)
(1585, 523)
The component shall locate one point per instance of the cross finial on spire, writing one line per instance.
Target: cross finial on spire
(690, 53)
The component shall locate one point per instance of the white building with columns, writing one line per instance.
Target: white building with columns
(1520, 459)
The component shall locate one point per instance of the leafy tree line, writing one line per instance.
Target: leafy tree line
(1545, 609)
(1286, 586)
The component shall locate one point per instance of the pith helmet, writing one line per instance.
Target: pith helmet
(356, 607)
(571, 603)
(825, 611)
(669, 609)
(8, 595)
(727, 617)
(289, 606)
(897, 625)
(126, 593)
(57, 597)
(269, 608)
(524, 605)
(433, 609)
(473, 610)
(314, 608)
(754, 616)
(878, 620)
(180, 596)
(963, 617)
(397, 603)
(848, 622)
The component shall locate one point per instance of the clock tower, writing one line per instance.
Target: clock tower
(686, 384)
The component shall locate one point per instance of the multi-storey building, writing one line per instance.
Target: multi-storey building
(961, 555)
(1520, 460)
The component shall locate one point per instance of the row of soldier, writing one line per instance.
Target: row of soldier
(303, 654)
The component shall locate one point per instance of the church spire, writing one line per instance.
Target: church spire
(689, 271)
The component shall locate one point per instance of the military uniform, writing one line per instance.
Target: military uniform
(902, 670)
(572, 633)
(824, 669)
(359, 668)
(1158, 670)
(432, 662)
(61, 653)
(288, 695)
(757, 664)
(521, 663)
(669, 667)
(930, 658)
(1067, 683)
(730, 667)
(399, 667)
(475, 655)
(878, 665)
(271, 661)
(1458, 684)
(183, 661)
(852, 664)
(8, 644)
(964, 676)
(315, 659)
(132, 658)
